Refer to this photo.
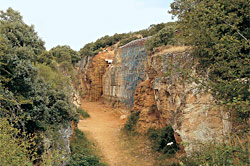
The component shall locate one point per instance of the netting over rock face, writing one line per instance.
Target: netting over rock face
(133, 63)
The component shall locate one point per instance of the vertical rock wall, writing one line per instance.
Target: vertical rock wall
(91, 74)
(126, 72)
(169, 97)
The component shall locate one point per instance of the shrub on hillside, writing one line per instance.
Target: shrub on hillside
(131, 122)
(236, 152)
(163, 140)
(14, 145)
(218, 30)
(162, 38)
(83, 113)
(81, 151)
(57, 80)
(127, 40)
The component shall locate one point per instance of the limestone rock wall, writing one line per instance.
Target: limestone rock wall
(166, 98)
(91, 73)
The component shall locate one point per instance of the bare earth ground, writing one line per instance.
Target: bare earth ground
(104, 126)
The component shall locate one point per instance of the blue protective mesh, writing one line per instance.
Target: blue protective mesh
(134, 60)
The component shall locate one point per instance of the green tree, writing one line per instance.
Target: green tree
(65, 54)
(18, 33)
(164, 37)
(28, 100)
(23, 92)
(220, 33)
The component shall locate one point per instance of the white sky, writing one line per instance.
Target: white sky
(78, 22)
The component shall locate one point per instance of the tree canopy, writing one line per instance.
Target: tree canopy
(219, 31)
(29, 102)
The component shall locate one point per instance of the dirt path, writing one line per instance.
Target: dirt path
(104, 126)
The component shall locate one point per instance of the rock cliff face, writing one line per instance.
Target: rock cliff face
(91, 72)
(60, 140)
(159, 87)
(169, 97)
(125, 73)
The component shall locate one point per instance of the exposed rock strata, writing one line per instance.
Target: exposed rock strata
(179, 102)
(91, 72)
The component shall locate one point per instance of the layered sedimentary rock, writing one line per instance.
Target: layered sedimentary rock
(91, 74)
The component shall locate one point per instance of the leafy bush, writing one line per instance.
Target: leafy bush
(93, 48)
(83, 113)
(20, 34)
(15, 145)
(85, 160)
(82, 153)
(219, 32)
(55, 78)
(65, 54)
(131, 122)
(164, 37)
(127, 40)
(163, 140)
(236, 152)
(23, 92)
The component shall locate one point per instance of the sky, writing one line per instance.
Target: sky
(78, 22)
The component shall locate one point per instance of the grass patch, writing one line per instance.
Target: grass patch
(130, 124)
(82, 151)
(83, 113)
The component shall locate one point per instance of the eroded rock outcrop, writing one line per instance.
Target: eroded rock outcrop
(91, 72)
(179, 102)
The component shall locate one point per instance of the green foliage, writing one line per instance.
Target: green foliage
(155, 28)
(82, 151)
(236, 152)
(131, 122)
(65, 54)
(85, 160)
(83, 113)
(18, 33)
(45, 58)
(32, 97)
(219, 31)
(162, 38)
(25, 95)
(88, 50)
(161, 138)
(127, 40)
(55, 78)
(53, 157)
(61, 60)
(92, 49)
(15, 145)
